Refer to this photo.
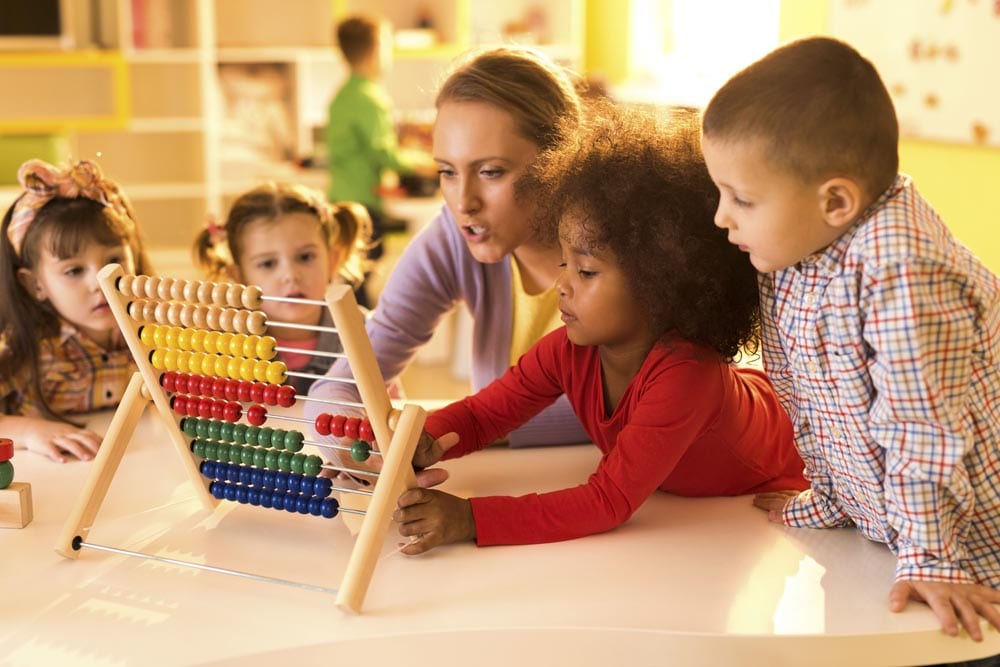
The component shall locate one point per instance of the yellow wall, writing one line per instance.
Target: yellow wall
(960, 181)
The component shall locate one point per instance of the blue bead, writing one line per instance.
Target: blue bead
(314, 505)
(281, 481)
(253, 497)
(256, 477)
(291, 502)
(242, 494)
(246, 476)
(328, 508)
(207, 469)
(266, 499)
(297, 484)
(232, 472)
(302, 505)
(231, 491)
(278, 500)
(322, 486)
(217, 489)
(268, 479)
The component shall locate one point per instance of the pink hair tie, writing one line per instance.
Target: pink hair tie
(43, 182)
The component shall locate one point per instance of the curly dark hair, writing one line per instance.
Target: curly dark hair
(638, 183)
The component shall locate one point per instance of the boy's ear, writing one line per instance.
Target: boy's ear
(841, 200)
(31, 284)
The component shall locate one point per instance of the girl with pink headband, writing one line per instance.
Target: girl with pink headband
(61, 352)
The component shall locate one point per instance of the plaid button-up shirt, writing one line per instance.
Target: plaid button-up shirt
(885, 351)
(77, 377)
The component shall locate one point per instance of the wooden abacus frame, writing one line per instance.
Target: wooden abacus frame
(396, 432)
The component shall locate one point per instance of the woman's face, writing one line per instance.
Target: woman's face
(480, 156)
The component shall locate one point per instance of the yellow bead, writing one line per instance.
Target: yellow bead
(208, 364)
(236, 345)
(250, 346)
(195, 361)
(265, 348)
(156, 358)
(184, 362)
(211, 338)
(198, 340)
(223, 342)
(160, 336)
(221, 366)
(246, 369)
(260, 370)
(173, 334)
(184, 339)
(170, 360)
(146, 335)
(276, 372)
(233, 370)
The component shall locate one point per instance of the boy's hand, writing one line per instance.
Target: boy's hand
(60, 442)
(951, 603)
(432, 518)
(429, 451)
(774, 502)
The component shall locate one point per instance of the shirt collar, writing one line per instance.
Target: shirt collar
(829, 258)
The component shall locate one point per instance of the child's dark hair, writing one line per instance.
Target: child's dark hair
(639, 185)
(820, 110)
(357, 37)
(62, 226)
(345, 225)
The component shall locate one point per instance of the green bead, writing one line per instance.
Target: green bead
(270, 459)
(6, 474)
(240, 434)
(226, 432)
(361, 450)
(190, 426)
(259, 457)
(312, 465)
(198, 448)
(297, 463)
(222, 452)
(253, 432)
(285, 461)
(214, 430)
(246, 455)
(294, 440)
(211, 450)
(202, 428)
(264, 436)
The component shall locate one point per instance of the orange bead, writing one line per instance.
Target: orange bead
(152, 286)
(251, 297)
(257, 322)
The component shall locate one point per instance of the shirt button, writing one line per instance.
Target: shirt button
(104, 358)
(108, 393)
(809, 298)
(836, 433)
(812, 367)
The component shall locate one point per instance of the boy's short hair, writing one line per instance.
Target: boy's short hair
(357, 37)
(821, 110)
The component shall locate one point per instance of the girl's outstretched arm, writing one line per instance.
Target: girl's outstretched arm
(57, 441)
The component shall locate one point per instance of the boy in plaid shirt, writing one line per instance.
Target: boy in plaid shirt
(881, 332)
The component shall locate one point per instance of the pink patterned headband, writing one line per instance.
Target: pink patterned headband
(44, 182)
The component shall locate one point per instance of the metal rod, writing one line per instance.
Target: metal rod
(367, 473)
(292, 299)
(313, 353)
(343, 448)
(307, 327)
(210, 568)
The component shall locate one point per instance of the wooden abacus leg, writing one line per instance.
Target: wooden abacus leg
(109, 456)
(15, 505)
(394, 478)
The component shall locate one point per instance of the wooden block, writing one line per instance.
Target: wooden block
(15, 505)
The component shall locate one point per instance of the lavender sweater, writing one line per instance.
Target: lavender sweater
(436, 272)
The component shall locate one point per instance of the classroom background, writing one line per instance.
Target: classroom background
(189, 102)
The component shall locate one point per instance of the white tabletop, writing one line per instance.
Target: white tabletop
(684, 582)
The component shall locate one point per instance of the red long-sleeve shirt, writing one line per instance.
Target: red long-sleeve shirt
(689, 423)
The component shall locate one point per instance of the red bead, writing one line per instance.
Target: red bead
(193, 404)
(256, 415)
(205, 385)
(219, 388)
(351, 427)
(286, 396)
(322, 424)
(168, 381)
(257, 392)
(179, 404)
(232, 411)
(365, 431)
(244, 390)
(181, 383)
(271, 394)
(218, 409)
(232, 390)
(337, 425)
(205, 408)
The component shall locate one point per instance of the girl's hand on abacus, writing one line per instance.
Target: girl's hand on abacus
(61, 442)
(774, 502)
(432, 518)
(429, 451)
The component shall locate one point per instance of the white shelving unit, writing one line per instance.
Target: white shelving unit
(174, 156)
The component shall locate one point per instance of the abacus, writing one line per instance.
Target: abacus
(207, 365)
